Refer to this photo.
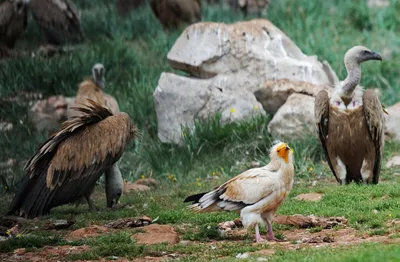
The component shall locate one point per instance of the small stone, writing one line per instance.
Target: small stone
(309, 197)
(243, 256)
(393, 162)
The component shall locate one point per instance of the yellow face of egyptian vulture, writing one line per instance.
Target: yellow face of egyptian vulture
(284, 151)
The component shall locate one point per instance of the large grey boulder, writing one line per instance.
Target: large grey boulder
(227, 65)
(295, 118)
(393, 122)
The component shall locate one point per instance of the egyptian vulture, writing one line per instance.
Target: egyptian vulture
(350, 124)
(93, 89)
(59, 20)
(70, 162)
(256, 193)
(172, 13)
(13, 21)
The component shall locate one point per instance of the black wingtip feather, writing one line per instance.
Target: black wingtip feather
(194, 198)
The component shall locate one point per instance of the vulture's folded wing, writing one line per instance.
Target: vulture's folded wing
(321, 111)
(375, 119)
(57, 15)
(245, 189)
(6, 12)
(72, 160)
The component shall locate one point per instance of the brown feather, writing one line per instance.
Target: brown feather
(321, 110)
(70, 162)
(373, 112)
(58, 19)
(351, 135)
(12, 23)
(172, 13)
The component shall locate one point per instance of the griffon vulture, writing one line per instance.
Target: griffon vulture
(70, 162)
(93, 89)
(350, 124)
(172, 13)
(59, 20)
(13, 21)
(256, 193)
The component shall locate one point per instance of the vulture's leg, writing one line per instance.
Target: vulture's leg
(366, 172)
(92, 205)
(114, 185)
(341, 172)
(258, 236)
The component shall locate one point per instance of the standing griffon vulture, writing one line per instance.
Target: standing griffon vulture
(13, 21)
(172, 13)
(93, 89)
(350, 124)
(59, 20)
(256, 193)
(70, 162)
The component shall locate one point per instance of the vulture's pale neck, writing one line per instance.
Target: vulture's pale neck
(100, 83)
(353, 78)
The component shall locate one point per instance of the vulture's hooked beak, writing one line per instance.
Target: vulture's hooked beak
(375, 56)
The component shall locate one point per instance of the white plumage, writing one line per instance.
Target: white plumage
(256, 193)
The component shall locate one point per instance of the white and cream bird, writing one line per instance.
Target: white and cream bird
(350, 124)
(256, 193)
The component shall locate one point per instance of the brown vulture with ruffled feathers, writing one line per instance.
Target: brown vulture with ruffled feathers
(13, 21)
(70, 162)
(172, 13)
(93, 89)
(350, 124)
(59, 20)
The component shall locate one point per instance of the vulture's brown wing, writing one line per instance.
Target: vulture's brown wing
(321, 111)
(375, 121)
(154, 6)
(59, 19)
(72, 160)
(6, 13)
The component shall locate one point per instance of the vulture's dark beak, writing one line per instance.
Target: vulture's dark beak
(375, 56)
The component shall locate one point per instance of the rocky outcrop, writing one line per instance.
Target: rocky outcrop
(294, 119)
(392, 129)
(48, 114)
(228, 66)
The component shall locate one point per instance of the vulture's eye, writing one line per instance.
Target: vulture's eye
(337, 103)
(366, 52)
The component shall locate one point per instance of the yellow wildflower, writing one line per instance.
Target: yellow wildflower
(233, 110)
(256, 108)
(143, 176)
(198, 184)
(310, 169)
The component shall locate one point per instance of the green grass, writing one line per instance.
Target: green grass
(134, 52)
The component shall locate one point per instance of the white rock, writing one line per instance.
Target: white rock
(233, 62)
(393, 162)
(392, 128)
(378, 3)
(48, 114)
(243, 256)
(275, 93)
(179, 100)
(295, 118)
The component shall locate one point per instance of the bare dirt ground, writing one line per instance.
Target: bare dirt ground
(153, 234)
